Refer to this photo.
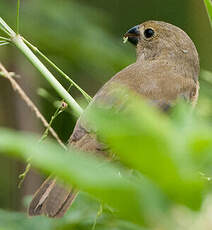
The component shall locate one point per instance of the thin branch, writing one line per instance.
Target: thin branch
(4, 27)
(29, 103)
(58, 111)
(36, 50)
(4, 30)
(22, 176)
(4, 43)
(18, 16)
(45, 134)
(99, 213)
(18, 42)
(5, 39)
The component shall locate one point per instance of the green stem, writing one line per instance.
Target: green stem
(46, 132)
(99, 213)
(18, 42)
(4, 43)
(18, 16)
(36, 50)
(23, 175)
(5, 39)
(4, 27)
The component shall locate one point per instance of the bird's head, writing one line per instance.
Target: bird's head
(161, 40)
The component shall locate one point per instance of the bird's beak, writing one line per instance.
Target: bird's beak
(133, 35)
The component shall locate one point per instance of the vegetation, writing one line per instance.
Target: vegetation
(163, 178)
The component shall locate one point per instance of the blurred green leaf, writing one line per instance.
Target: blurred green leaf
(199, 144)
(139, 203)
(18, 221)
(208, 5)
(206, 75)
(81, 216)
(147, 140)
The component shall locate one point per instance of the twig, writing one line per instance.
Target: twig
(5, 39)
(22, 176)
(4, 43)
(19, 43)
(33, 107)
(45, 134)
(36, 50)
(18, 16)
(29, 103)
(57, 112)
(99, 213)
(4, 27)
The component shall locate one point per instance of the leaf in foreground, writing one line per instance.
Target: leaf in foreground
(148, 141)
(137, 203)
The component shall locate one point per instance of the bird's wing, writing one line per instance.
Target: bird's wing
(157, 82)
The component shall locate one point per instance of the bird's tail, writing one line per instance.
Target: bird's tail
(51, 199)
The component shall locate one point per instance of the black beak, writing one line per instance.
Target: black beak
(133, 35)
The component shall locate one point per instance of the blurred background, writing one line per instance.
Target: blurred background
(84, 38)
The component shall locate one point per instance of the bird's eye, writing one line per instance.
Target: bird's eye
(148, 33)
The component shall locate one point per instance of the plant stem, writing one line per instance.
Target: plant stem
(28, 102)
(46, 132)
(22, 176)
(19, 43)
(18, 16)
(4, 27)
(5, 39)
(36, 50)
(99, 213)
(4, 43)
(17, 40)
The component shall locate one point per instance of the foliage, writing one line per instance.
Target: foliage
(167, 155)
(208, 5)
(81, 216)
(74, 31)
(165, 168)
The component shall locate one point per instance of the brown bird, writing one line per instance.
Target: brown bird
(167, 68)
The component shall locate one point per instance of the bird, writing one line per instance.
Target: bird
(166, 69)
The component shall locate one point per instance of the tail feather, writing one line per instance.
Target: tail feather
(35, 207)
(51, 199)
(72, 195)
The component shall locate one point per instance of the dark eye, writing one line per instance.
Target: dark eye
(148, 33)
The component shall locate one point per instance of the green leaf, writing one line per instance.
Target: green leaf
(199, 144)
(147, 140)
(81, 216)
(18, 221)
(208, 5)
(136, 200)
